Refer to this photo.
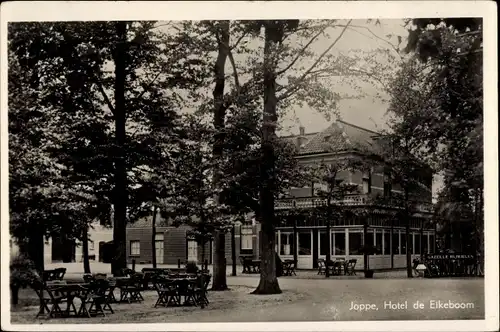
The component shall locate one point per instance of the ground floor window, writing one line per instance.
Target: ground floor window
(378, 241)
(338, 243)
(356, 242)
(403, 243)
(305, 244)
(286, 243)
(369, 238)
(417, 245)
(135, 248)
(387, 242)
(323, 243)
(395, 242)
(425, 244)
(432, 243)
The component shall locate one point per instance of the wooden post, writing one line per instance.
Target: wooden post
(178, 263)
(133, 264)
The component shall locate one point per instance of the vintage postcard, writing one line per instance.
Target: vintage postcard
(274, 165)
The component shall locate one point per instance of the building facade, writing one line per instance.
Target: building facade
(302, 236)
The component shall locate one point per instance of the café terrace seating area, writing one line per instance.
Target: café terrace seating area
(100, 295)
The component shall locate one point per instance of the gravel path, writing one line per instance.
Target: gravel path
(306, 300)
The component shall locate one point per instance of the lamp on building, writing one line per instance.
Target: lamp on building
(421, 269)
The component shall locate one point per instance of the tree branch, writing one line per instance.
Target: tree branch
(301, 52)
(287, 94)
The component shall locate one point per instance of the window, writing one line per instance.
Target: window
(369, 238)
(355, 243)
(246, 237)
(395, 242)
(387, 242)
(286, 243)
(417, 244)
(403, 243)
(305, 244)
(135, 248)
(338, 243)
(91, 245)
(323, 243)
(378, 241)
(425, 247)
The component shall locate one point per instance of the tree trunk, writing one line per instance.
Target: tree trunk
(14, 294)
(153, 237)
(219, 282)
(233, 252)
(85, 251)
(34, 248)
(120, 194)
(268, 281)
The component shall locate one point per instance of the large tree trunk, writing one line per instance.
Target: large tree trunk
(219, 281)
(85, 251)
(34, 248)
(268, 281)
(120, 191)
(153, 237)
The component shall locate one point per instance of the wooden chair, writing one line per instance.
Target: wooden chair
(321, 266)
(47, 298)
(59, 273)
(350, 267)
(201, 289)
(167, 293)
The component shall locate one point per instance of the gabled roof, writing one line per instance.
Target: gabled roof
(339, 136)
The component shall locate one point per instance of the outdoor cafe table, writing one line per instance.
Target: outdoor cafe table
(184, 286)
(120, 283)
(69, 291)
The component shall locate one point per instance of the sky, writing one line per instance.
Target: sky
(368, 111)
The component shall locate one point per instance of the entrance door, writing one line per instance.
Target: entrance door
(159, 242)
(304, 258)
(192, 251)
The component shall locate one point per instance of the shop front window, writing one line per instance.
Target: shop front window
(395, 243)
(356, 243)
(378, 242)
(403, 243)
(286, 244)
(338, 243)
(417, 244)
(305, 244)
(387, 242)
(323, 243)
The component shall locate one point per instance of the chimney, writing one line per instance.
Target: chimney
(302, 131)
